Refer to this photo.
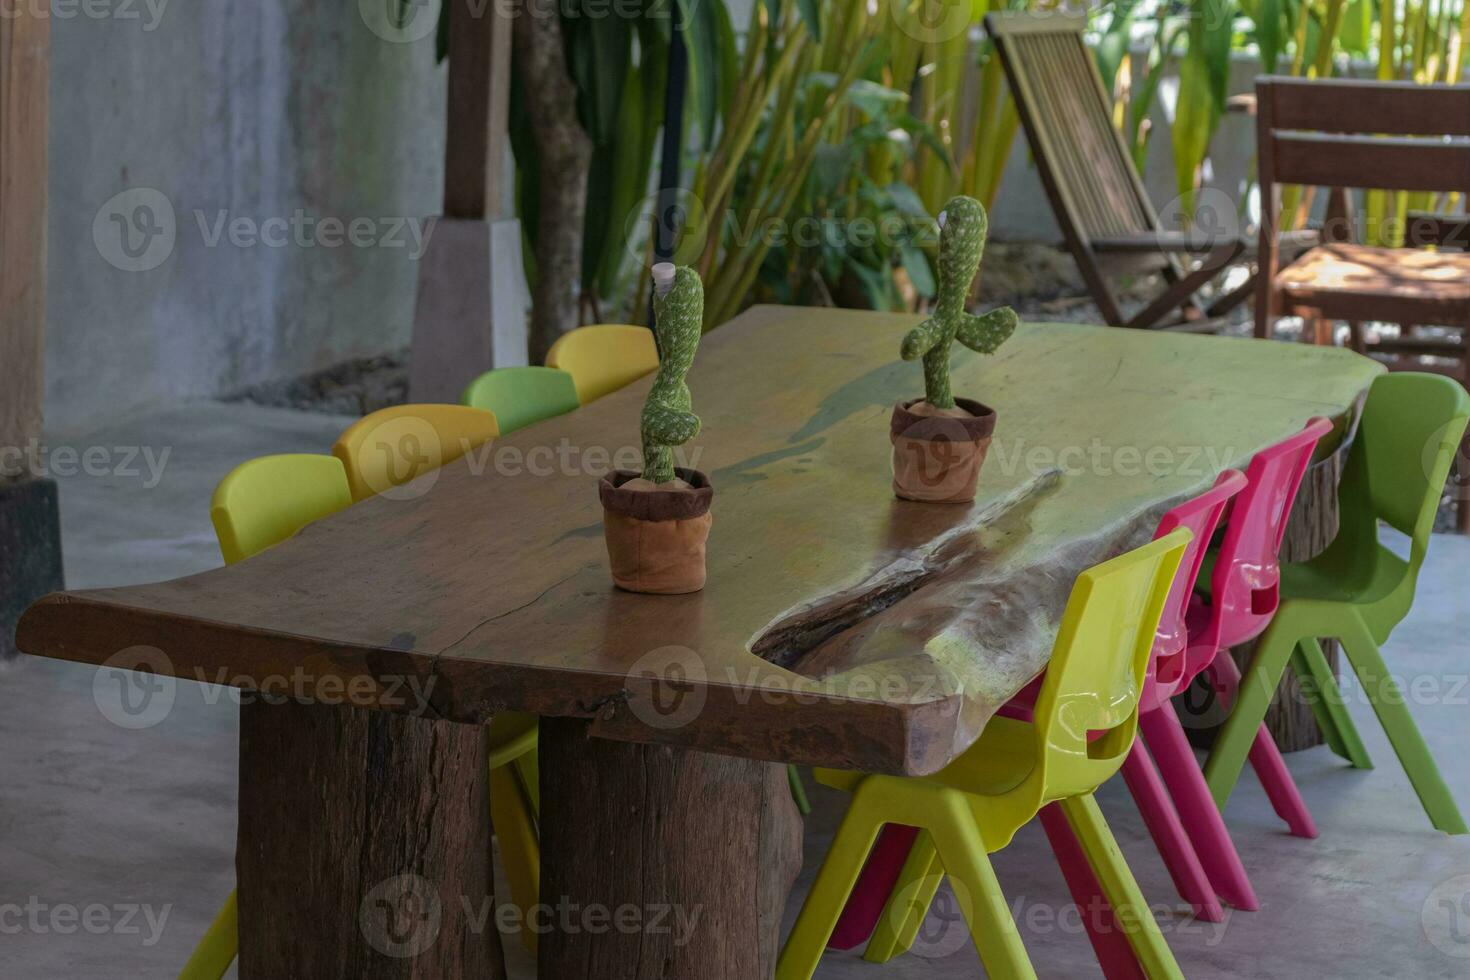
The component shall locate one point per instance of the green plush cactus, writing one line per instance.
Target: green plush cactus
(963, 226)
(678, 307)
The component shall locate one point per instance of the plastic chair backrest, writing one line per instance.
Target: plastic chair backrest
(1407, 440)
(392, 446)
(264, 501)
(603, 358)
(1170, 670)
(1411, 429)
(1087, 712)
(1245, 584)
(521, 396)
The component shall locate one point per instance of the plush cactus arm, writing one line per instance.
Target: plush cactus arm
(920, 340)
(963, 226)
(668, 421)
(983, 334)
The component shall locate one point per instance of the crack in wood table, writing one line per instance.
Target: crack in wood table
(839, 626)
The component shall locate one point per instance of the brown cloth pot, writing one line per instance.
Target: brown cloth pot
(937, 459)
(655, 538)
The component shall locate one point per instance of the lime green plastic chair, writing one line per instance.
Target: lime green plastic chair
(390, 447)
(1358, 590)
(261, 503)
(603, 358)
(1084, 724)
(520, 396)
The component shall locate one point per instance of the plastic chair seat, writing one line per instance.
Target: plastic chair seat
(999, 761)
(1325, 578)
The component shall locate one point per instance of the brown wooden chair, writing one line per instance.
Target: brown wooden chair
(1394, 136)
(1100, 202)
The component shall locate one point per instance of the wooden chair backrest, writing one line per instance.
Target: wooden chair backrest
(1338, 132)
(1066, 112)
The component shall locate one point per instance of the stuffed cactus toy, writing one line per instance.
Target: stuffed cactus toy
(678, 306)
(963, 226)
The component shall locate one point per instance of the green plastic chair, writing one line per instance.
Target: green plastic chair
(521, 396)
(1357, 590)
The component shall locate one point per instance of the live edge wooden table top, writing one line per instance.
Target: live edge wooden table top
(838, 626)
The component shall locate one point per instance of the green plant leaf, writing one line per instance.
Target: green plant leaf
(1195, 116)
(811, 16)
(702, 40)
(916, 264)
(906, 199)
(1268, 34)
(1113, 46)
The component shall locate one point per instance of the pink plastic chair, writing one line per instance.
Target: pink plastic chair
(1244, 593)
(1244, 575)
(1171, 671)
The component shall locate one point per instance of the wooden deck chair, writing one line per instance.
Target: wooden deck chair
(1099, 200)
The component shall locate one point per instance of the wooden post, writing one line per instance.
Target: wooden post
(30, 536)
(470, 314)
(364, 846)
(661, 862)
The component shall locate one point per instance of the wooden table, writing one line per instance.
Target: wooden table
(839, 627)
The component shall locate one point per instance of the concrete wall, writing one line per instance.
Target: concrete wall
(196, 147)
(171, 120)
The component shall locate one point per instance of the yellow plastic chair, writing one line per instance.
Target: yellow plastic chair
(603, 358)
(520, 396)
(261, 503)
(392, 446)
(1085, 720)
(264, 501)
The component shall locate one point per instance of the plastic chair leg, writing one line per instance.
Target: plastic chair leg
(520, 851)
(1281, 790)
(1265, 758)
(1118, 884)
(217, 950)
(798, 791)
(1233, 745)
(1162, 819)
(1109, 944)
(528, 773)
(834, 881)
(908, 901)
(875, 888)
(1202, 820)
(1325, 699)
(1270, 768)
(963, 855)
(1403, 734)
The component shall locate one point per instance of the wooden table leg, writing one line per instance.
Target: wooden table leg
(660, 862)
(364, 847)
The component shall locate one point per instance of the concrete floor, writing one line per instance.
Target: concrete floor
(116, 844)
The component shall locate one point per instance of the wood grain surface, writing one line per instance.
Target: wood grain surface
(364, 846)
(839, 626)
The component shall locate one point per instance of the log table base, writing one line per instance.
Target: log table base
(660, 862)
(364, 847)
